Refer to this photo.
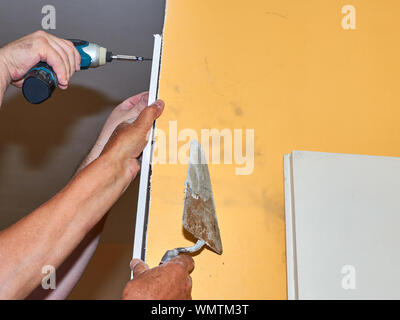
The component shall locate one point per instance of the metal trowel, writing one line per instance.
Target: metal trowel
(199, 217)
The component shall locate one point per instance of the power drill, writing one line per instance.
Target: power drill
(41, 80)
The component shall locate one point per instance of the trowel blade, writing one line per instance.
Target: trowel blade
(199, 216)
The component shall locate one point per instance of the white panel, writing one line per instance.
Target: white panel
(139, 245)
(346, 213)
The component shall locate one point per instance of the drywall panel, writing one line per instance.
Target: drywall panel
(345, 218)
(289, 71)
(139, 243)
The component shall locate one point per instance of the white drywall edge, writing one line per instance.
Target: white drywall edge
(291, 268)
(139, 244)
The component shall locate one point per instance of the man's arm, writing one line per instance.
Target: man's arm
(69, 273)
(50, 233)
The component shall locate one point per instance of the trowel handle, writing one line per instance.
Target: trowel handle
(170, 254)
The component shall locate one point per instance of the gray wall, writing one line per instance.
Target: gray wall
(41, 146)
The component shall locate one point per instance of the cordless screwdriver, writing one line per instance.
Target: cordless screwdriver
(41, 80)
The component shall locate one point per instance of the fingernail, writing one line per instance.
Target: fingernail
(159, 104)
(134, 263)
(145, 99)
(130, 120)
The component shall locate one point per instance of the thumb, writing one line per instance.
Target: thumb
(148, 115)
(138, 131)
(135, 135)
(138, 266)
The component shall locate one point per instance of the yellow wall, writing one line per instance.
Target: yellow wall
(288, 70)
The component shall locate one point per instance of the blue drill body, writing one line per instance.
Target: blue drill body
(41, 80)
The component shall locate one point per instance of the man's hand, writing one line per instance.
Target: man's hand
(125, 134)
(168, 281)
(17, 57)
(127, 110)
(128, 140)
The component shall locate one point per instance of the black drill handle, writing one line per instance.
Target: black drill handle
(40, 82)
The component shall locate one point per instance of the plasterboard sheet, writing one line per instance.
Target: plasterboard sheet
(342, 218)
(139, 245)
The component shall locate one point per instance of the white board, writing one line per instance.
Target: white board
(342, 226)
(139, 244)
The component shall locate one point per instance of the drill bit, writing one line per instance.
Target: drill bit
(126, 57)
